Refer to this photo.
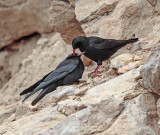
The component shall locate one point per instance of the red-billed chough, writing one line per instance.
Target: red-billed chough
(67, 72)
(98, 49)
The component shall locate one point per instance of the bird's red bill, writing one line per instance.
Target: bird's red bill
(82, 53)
(74, 52)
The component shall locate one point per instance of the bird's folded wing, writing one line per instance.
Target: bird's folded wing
(31, 88)
(61, 71)
(108, 44)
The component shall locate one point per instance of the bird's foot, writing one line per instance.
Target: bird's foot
(77, 82)
(80, 81)
(93, 74)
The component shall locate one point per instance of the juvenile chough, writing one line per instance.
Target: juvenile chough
(67, 72)
(98, 49)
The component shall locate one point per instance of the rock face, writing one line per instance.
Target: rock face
(122, 100)
(12, 56)
(151, 71)
(125, 62)
(21, 18)
(63, 20)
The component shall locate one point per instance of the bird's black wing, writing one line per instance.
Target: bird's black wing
(31, 88)
(111, 43)
(64, 68)
(95, 40)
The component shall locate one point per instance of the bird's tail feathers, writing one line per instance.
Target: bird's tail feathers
(39, 97)
(30, 89)
(34, 91)
(43, 93)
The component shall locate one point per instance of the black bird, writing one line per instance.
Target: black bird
(98, 49)
(67, 72)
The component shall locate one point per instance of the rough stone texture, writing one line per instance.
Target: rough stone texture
(21, 18)
(7, 111)
(151, 71)
(121, 60)
(152, 2)
(91, 120)
(32, 124)
(62, 93)
(63, 20)
(12, 56)
(125, 62)
(119, 87)
(137, 118)
(68, 107)
(72, 2)
(87, 10)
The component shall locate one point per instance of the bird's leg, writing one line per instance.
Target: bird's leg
(77, 82)
(95, 71)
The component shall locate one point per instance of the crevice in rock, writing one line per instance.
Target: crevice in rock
(9, 47)
(97, 14)
(11, 3)
(152, 2)
(112, 121)
(12, 55)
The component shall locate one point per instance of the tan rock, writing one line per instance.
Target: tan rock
(87, 10)
(32, 124)
(62, 93)
(7, 112)
(63, 20)
(21, 18)
(80, 92)
(137, 58)
(12, 56)
(130, 66)
(152, 2)
(137, 118)
(69, 107)
(93, 119)
(72, 2)
(121, 60)
(151, 71)
(118, 87)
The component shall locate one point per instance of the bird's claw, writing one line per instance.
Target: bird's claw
(93, 74)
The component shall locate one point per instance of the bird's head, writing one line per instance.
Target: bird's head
(77, 43)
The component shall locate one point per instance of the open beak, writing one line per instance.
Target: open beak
(82, 53)
(74, 50)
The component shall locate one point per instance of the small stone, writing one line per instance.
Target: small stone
(97, 81)
(133, 65)
(80, 92)
(136, 58)
(123, 70)
(121, 60)
(69, 106)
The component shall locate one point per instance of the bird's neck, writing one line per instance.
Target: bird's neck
(82, 48)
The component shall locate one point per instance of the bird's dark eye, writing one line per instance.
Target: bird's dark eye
(76, 45)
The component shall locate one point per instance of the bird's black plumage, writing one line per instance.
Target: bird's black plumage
(67, 72)
(99, 49)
